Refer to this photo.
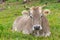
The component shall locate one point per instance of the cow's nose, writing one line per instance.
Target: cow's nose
(36, 27)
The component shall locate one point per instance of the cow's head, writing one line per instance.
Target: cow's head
(36, 14)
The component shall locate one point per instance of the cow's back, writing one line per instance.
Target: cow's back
(19, 23)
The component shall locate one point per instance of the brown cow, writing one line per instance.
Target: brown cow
(34, 23)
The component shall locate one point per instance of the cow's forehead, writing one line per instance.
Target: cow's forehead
(38, 8)
(33, 8)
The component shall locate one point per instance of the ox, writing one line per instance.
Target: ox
(33, 22)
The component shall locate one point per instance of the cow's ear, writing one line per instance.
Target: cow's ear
(46, 12)
(25, 12)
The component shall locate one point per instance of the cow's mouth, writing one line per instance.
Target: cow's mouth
(37, 33)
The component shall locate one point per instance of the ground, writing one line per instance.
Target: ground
(10, 11)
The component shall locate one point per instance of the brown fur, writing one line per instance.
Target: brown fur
(23, 23)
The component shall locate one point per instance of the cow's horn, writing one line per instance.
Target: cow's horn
(27, 8)
(44, 5)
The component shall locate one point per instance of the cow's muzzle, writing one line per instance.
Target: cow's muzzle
(37, 27)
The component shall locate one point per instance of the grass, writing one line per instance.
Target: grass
(11, 11)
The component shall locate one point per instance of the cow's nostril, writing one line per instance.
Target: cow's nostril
(37, 27)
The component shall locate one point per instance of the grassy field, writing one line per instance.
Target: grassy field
(12, 10)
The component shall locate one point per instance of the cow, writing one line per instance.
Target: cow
(33, 22)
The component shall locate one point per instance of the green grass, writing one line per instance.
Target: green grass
(10, 13)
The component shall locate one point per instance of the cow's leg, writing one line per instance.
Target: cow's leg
(25, 32)
(47, 34)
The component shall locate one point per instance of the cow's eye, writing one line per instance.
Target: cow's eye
(41, 15)
(31, 17)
